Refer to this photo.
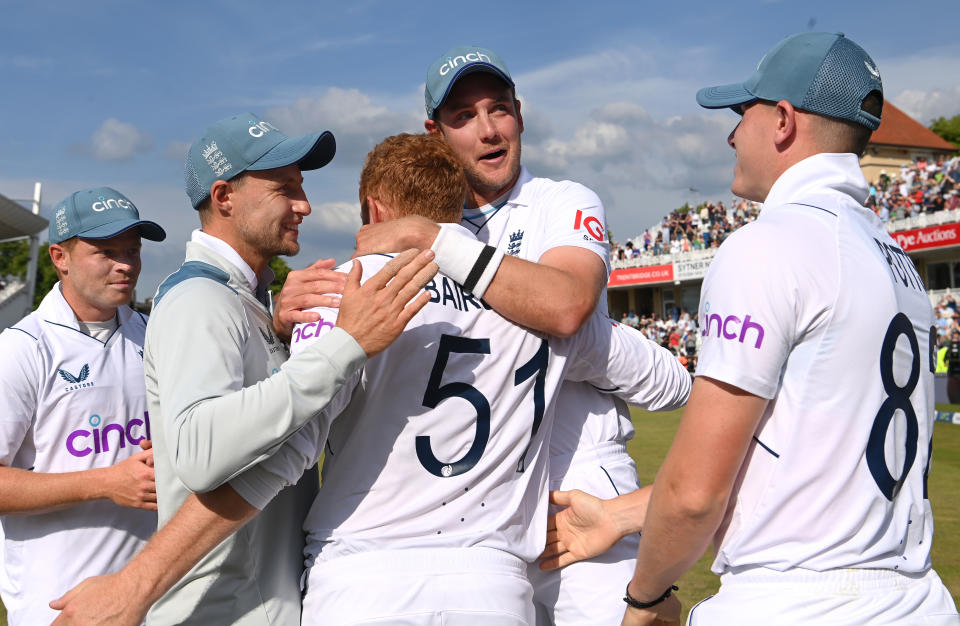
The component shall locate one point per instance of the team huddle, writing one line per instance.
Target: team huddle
(467, 392)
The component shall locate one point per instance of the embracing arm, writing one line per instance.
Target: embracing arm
(556, 295)
(125, 597)
(217, 429)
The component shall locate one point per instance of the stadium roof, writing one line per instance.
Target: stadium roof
(16, 221)
(899, 129)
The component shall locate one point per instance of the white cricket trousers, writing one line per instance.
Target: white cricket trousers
(420, 587)
(832, 598)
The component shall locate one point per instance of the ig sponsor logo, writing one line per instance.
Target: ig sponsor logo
(313, 329)
(732, 327)
(82, 441)
(590, 223)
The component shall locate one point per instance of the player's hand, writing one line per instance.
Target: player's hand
(130, 482)
(410, 231)
(310, 287)
(101, 600)
(581, 531)
(667, 613)
(376, 312)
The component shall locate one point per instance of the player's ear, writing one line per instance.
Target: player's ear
(220, 192)
(786, 126)
(58, 256)
(432, 126)
(516, 105)
(375, 211)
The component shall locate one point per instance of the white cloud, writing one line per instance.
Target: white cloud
(925, 106)
(336, 217)
(176, 151)
(356, 121)
(118, 141)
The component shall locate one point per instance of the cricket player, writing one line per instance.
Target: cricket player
(223, 393)
(434, 487)
(540, 259)
(446, 522)
(77, 494)
(807, 471)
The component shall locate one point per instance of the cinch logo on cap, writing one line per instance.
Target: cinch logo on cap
(261, 128)
(455, 62)
(103, 203)
(727, 327)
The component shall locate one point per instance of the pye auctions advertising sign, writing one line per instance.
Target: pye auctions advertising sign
(930, 237)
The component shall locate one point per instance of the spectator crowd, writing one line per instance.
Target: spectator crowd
(679, 333)
(919, 187)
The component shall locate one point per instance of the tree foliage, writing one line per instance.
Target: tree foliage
(14, 257)
(280, 269)
(949, 129)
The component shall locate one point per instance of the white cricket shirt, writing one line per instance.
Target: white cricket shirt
(68, 403)
(815, 307)
(441, 442)
(540, 214)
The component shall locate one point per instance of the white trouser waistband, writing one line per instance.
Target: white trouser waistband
(834, 580)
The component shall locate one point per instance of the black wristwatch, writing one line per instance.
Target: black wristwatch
(646, 605)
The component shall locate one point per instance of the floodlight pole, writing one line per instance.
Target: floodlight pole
(34, 251)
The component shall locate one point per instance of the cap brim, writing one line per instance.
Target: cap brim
(148, 230)
(310, 152)
(724, 96)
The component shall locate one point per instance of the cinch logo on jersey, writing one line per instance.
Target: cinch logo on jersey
(313, 329)
(83, 442)
(592, 224)
(102, 204)
(79, 381)
(455, 62)
(731, 327)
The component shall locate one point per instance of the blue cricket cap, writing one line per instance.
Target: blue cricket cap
(246, 142)
(454, 65)
(822, 73)
(99, 213)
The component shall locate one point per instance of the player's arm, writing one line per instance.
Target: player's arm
(620, 360)
(555, 295)
(216, 427)
(692, 489)
(129, 482)
(124, 598)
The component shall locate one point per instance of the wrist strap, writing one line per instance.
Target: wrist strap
(466, 260)
(646, 605)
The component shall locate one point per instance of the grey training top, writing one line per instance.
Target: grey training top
(223, 397)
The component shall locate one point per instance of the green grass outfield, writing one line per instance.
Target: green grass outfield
(655, 432)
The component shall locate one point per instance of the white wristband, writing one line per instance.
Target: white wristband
(466, 260)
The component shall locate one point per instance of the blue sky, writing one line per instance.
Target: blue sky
(112, 93)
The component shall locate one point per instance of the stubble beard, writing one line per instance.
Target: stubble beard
(485, 186)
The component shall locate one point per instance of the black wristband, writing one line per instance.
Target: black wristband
(481, 264)
(646, 605)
